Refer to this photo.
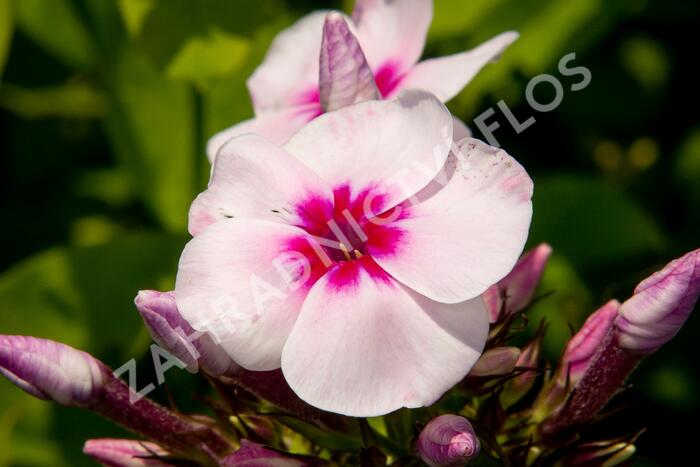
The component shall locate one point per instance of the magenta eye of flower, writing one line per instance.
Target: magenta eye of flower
(349, 230)
(388, 78)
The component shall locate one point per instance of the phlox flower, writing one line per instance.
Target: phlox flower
(354, 256)
(324, 61)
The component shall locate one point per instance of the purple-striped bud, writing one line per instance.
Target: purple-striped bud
(50, 370)
(344, 75)
(581, 349)
(447, 441)
(515, 291)
(252, 454)
(169, 330)
(53, 371)
(495, 362)
(660, 306)
(126, 453)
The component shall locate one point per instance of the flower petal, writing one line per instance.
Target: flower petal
(392, 31)
(278, 127)
(391, 147)
(254, 178)
(288, 76)
(235, 282)
(345, 76)
(365, 345)
(469, 235)
(447, 76)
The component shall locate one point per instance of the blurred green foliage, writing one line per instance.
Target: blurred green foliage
(106, 105)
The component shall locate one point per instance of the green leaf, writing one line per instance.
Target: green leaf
(134, 14)
(172, 23)
(448, 24)
(6, 28)
(70, 100)
(688, 165)
(324, 438)
(590, 222)
(55, 26)
(202, 58)
(151, 125)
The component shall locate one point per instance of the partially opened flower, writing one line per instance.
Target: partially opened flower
(310, 68)
(336, 258)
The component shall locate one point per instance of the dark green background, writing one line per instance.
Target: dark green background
(105, 107)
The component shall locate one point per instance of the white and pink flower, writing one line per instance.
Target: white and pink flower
(354, 256)
(322, 63)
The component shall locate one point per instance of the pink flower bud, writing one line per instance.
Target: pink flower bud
(125, 453)
(581, 349)
(448, 441)
(49, 370)
(515, 291)
(495, 362)
(169, 330)
(660, 306)
(345, 76)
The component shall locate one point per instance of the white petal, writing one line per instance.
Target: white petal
(365, 345)
(468, 235)
(289, 74)
(228, 285)
(447, 76)
(278, 127)
(392, 32)
(391, 148)
(254, 178)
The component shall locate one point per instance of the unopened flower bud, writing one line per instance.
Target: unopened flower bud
(50, 370)
(53, 371)
(515, 291)
(581, 349)
(660, 306)
(169, 330)
(448, 441)
(495, 362)
(580, 354)
(345, 77)
(126, 453)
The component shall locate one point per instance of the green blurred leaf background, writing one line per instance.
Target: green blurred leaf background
(106, 106)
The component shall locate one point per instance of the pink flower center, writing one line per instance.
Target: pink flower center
(347, 234)
(388, 77)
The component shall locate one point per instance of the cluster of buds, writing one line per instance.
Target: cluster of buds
(260, 419)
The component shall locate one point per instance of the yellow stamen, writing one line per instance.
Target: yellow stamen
(345, 251)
